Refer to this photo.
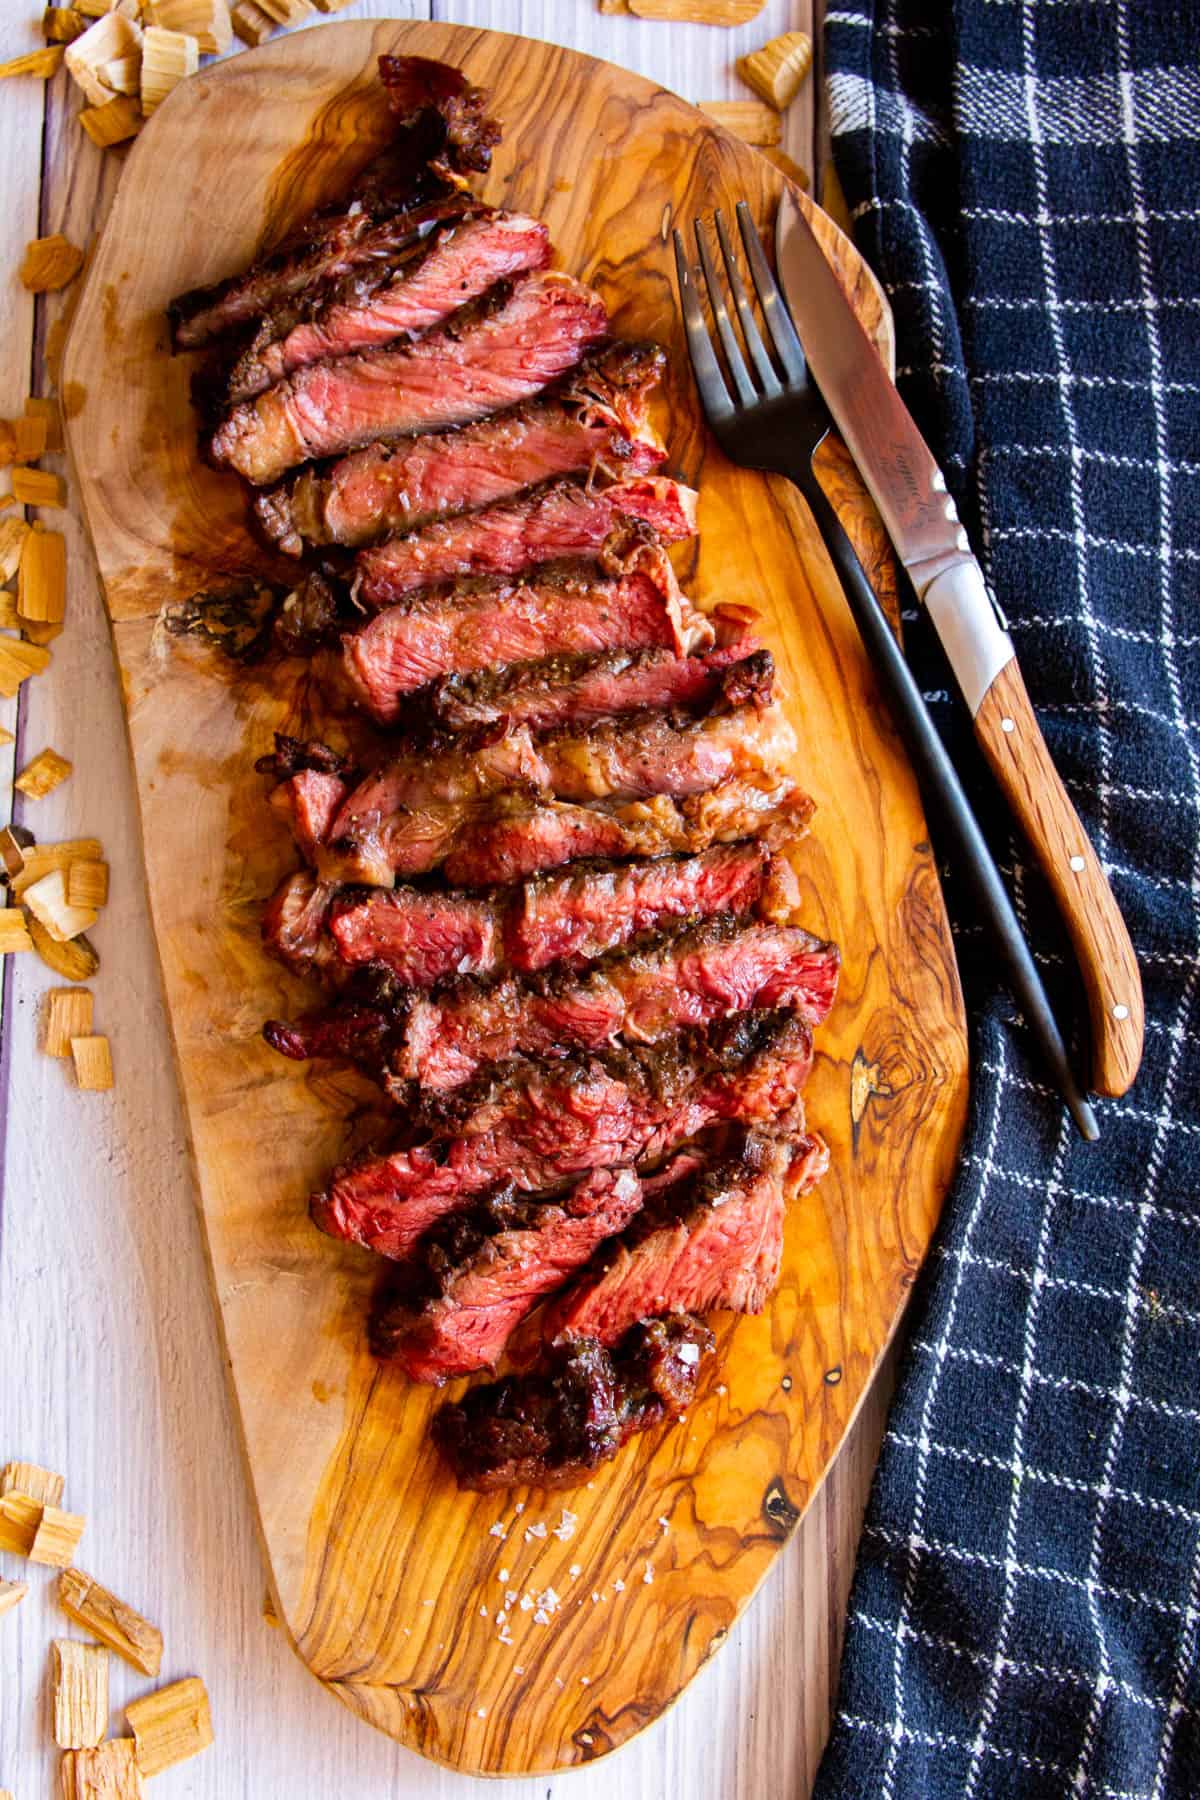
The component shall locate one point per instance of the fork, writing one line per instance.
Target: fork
(774, 419)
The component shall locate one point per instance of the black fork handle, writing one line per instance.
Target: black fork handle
(941, 786)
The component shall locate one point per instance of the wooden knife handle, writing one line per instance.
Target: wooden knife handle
(1012, 741)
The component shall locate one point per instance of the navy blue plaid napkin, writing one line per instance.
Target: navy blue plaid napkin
(1025, 1617)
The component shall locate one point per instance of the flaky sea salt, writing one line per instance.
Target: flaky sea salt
(482, 1713)
(519, 1507)
(504, 1638)
(618, 1586)
(574, 1570)
(535, 1531)
(565, 1529)
(483, 1612)
(503, 1575)
(541, 1616)
(497, 1530)
(549, 1599)
(648, 1577)
(689, 1353)
(526, 1602)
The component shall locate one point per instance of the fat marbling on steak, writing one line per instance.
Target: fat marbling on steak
(501, 350)
(594, 421)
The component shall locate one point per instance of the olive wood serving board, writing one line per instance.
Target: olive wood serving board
(386, 1576)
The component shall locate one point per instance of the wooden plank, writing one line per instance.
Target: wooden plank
(363, 1530)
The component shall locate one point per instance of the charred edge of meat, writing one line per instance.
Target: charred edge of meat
(555, 1426)
(291, 755)
(239, 621)
(417, 86)
(353, 1032)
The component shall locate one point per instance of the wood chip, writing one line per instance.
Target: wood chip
(331, 6)
(168, 57)
(170, 1725)
(778, 70)
(46, 771)
(29, 1478)
(699, 12)
(11, 1594)
(13, 533)
(19, 1520)
(109, 1772)
(8, 449)
(14, 931)
(749, 120)
(38, 487)
(47, 409)
(83, 1599)
(57, 1537)
(47, 901)
(80, 1679)
(106, 125)
(93, 1063)
(69, 1014)
(87, 884)
(62, 24)
(40, 859)
(112, 38)
(30, 438)
(791, 169)
(42, 63)
(123, 74)
(17, 663)
(76, 961)
(287, 12)
(207, 21)
(252, 24)
(49, 263)
(42, 589)
(12, 849)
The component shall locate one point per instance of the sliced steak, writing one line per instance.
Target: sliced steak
(692, 977)
(442, 133)
(554, 1428)
(582, 690)
(494, 354)
(630, 759)
(549, 524)
(596, 419)
(365, 1035)
(632, 602)
(710, 1241)
(310, 801)
(426, 938)
(538, 1126)
(508, 841)
(421, 938)
(460, 260)
(581, 913)
(477, 1274)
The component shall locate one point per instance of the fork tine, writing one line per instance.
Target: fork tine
(713, 392)
(768, 379)
(788, 347)
(746, 391)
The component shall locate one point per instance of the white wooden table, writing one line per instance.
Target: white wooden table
(110, 1362)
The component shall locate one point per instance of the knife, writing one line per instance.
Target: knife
(922, 522)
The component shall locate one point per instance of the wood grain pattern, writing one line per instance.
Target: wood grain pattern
(381, 1567)
(1011, 738)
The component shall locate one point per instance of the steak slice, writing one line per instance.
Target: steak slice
(692, 977)
(582, 690)
(551, 523)
(630, 759)
(422, 938)
(596, 419)
(477, 1274)
(632, 602)
(538, 1126)
(554, 1428)
(495, 353)
(310, 801)
(581, 913)
(510, 840)
(459, 261)
(442, 133)
(710, 1241)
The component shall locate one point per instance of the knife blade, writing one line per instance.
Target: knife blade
(906, 484)
(897, 465)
